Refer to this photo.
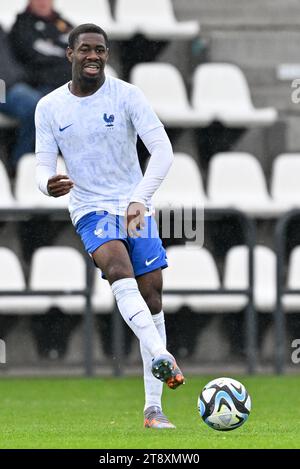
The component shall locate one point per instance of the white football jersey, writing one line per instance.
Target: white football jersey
(96, 136)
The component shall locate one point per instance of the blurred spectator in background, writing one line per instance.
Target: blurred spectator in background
(21, 100)
(39, 38)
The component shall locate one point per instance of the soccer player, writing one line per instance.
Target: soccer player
(94, 121)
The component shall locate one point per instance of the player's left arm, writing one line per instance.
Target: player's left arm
(151, 131)
(160, 149)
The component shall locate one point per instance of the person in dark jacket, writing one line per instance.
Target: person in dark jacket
(39, 40)
(19, 101)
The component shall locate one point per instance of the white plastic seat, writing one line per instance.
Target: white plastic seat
(221, 91)
(285, 188)
(194, 268)
(236, 274)
(12, 278)
(183, 186)
(237, 180)
(102, 297)
(59, 268)
(164, 87)
(93, 11)
(10, 11)
(26, 191)
(291, 303)
(155, 19)
(6, 198)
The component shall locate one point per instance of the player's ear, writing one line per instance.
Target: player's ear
(69, 54)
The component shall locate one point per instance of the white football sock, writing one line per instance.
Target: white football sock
(136, 314)
(153, 386)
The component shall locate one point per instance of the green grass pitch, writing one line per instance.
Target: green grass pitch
(107, 413)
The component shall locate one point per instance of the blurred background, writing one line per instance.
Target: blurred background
(223, 77)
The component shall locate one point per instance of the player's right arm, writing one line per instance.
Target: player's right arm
(50, 183)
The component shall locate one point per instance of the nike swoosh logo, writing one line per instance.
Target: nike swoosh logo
(151, 261)
(135, 314)
(98, 232)
(61, 129)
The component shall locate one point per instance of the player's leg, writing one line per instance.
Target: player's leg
(113, 259)
(150, 286)
(149, 256)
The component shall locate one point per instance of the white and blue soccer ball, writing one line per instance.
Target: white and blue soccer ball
(224, 404)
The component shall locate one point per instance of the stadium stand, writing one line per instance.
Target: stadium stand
(236, 274)
(237, 180)
(291, 302)
(27, 193)
(195, 268)
(163, 85)
(221, 92)
(239, 89)
(285, 189)
(94, 11)
(155, 20)
(9, 13)
(12, 279)
(50, 270)
(173, 193)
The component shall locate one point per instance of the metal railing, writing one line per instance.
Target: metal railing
(281, 290)
(61, 214)
(248, 227)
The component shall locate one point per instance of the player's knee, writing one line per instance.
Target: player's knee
(154, 301)
(117, 272)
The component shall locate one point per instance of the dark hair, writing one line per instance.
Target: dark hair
(85, 28)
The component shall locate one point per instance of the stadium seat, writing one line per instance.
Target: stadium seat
(164, 87)
(285, 188)
(236, 274)
(194, 268)
(94, 11)
(174, 191)
(6, 197)
(26, 191)
(59, 268)
(12, 278)
(102, 297)
(155, 20)
(10, 11)
(236, 180)
(221, 91)
(291, 303)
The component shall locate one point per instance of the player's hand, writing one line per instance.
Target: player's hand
(135, 219)
(59, 185)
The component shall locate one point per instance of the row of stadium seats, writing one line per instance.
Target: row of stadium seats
(155, 20)
(220, 92)
(64, 268)
(234, 180)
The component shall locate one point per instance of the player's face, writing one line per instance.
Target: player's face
(89, 56)
(41, 7)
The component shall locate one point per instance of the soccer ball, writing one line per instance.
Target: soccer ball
(224, 404)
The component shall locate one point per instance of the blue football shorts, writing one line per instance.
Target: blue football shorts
(146, 252)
